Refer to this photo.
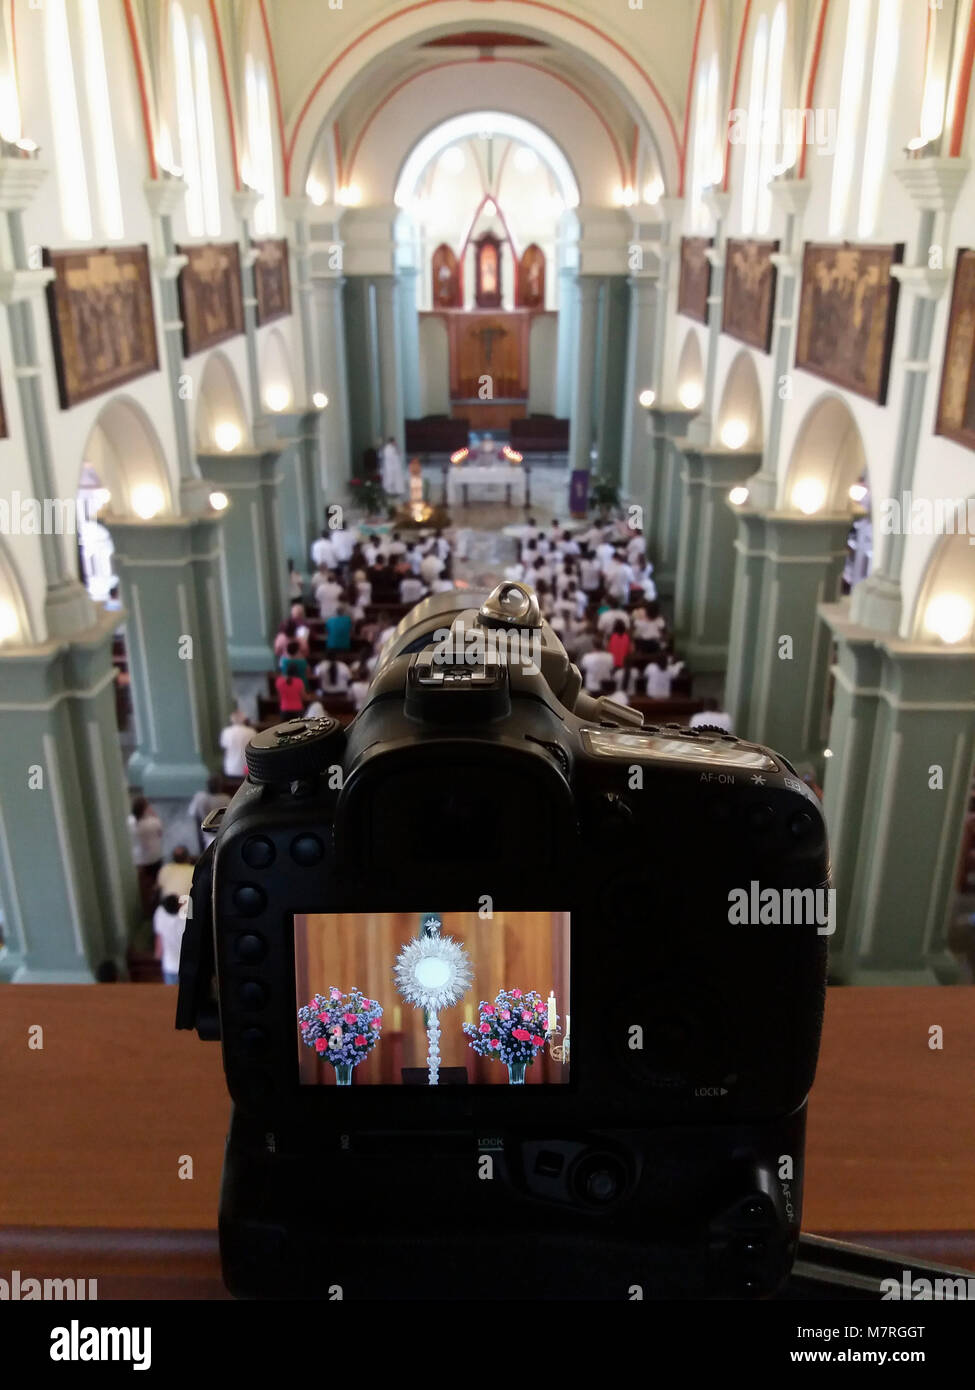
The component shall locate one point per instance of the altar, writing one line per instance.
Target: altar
(512, 477)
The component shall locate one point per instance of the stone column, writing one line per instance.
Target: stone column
(244, 202)
(705, 552)
(587, 327)
(66, 878)
(336, 455)
(668, 424)
(902, 736)
(302, 501)
(639, 377)
(176, 643)
(298, 210)
(410, 342)
(567, 342)
(699, 430)
(390, 366)
(779, 648)
(611, 401)
(253, 569)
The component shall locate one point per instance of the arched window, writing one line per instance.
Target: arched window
(765, 134)
(706, 159)
(847, 118)
(69, 153)
(260, 146)
(100, 120)
(189, 152)
(753, 143)
(878, 117)
(204, 129)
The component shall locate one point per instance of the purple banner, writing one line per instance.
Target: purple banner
(579, 493)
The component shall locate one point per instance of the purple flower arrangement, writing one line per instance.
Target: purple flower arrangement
(513, 1028)
(342, 1028)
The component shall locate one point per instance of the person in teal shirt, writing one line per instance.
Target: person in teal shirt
(338, 630)
(293, 663)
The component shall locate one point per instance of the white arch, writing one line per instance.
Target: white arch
(219, 406)
(125, 452)
(949, 580)
(827, 458)
(741, 402)
(16, 629)
(690, 370)
(473, 123)
(277, 376)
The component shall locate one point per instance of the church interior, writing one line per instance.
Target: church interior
(312, 309)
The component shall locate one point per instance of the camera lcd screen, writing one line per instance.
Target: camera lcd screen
(432, 998)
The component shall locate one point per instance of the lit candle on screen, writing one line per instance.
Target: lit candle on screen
(468, 1013)
(397, 1018)
(567, 1026)
(552, 1016)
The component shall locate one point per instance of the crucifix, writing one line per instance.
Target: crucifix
(487, 336)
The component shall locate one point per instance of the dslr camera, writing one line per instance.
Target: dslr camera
(507, 1003)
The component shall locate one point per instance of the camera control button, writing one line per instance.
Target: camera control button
(801, 824)
(252, 994)
(254, 1038)
(251, 948)
(760, 817)
(307, 850)
(249, 900)
(258, 852)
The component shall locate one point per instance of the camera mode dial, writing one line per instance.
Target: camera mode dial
(299, 750)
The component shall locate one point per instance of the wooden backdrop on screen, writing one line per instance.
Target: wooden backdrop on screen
(510, 950)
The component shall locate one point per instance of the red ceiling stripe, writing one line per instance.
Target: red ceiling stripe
(274, 76)
(143, 88)
(960, 112)
(733, 102)
(225, 79)
(690, 97)
(811, 84)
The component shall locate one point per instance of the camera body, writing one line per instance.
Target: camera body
(480, 778)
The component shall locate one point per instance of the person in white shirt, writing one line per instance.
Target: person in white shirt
(358, 689)
(660, 674)
(392, 468)
(636, 549)
(316, 710)
(233, 740)
(597, 668)
(589, 572)
(442, 586)
(515, 571)
(168, 925)
(543, 545)
(431, 568)
(539, 572)
(327, 597)
(619, 696)
(343, 544)
(608, 619)
(323, 551)
(411, 590)
(604, 553)
(643, 580)
(565, 576)
(394, 547)
(442, 547)
(333, 676)
(617, 576)
(371, 550)
(712, 715)
(568, 546)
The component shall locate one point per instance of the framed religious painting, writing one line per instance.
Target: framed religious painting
(210, 299)
(272, 280)
(103, 329)
(956, 401)
(749, 292)
(446, 278)
(487, 271)
(695, 277)
(847, 310)
(531, 278)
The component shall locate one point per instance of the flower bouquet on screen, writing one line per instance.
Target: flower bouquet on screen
(342, 1028)
(512, 1029)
